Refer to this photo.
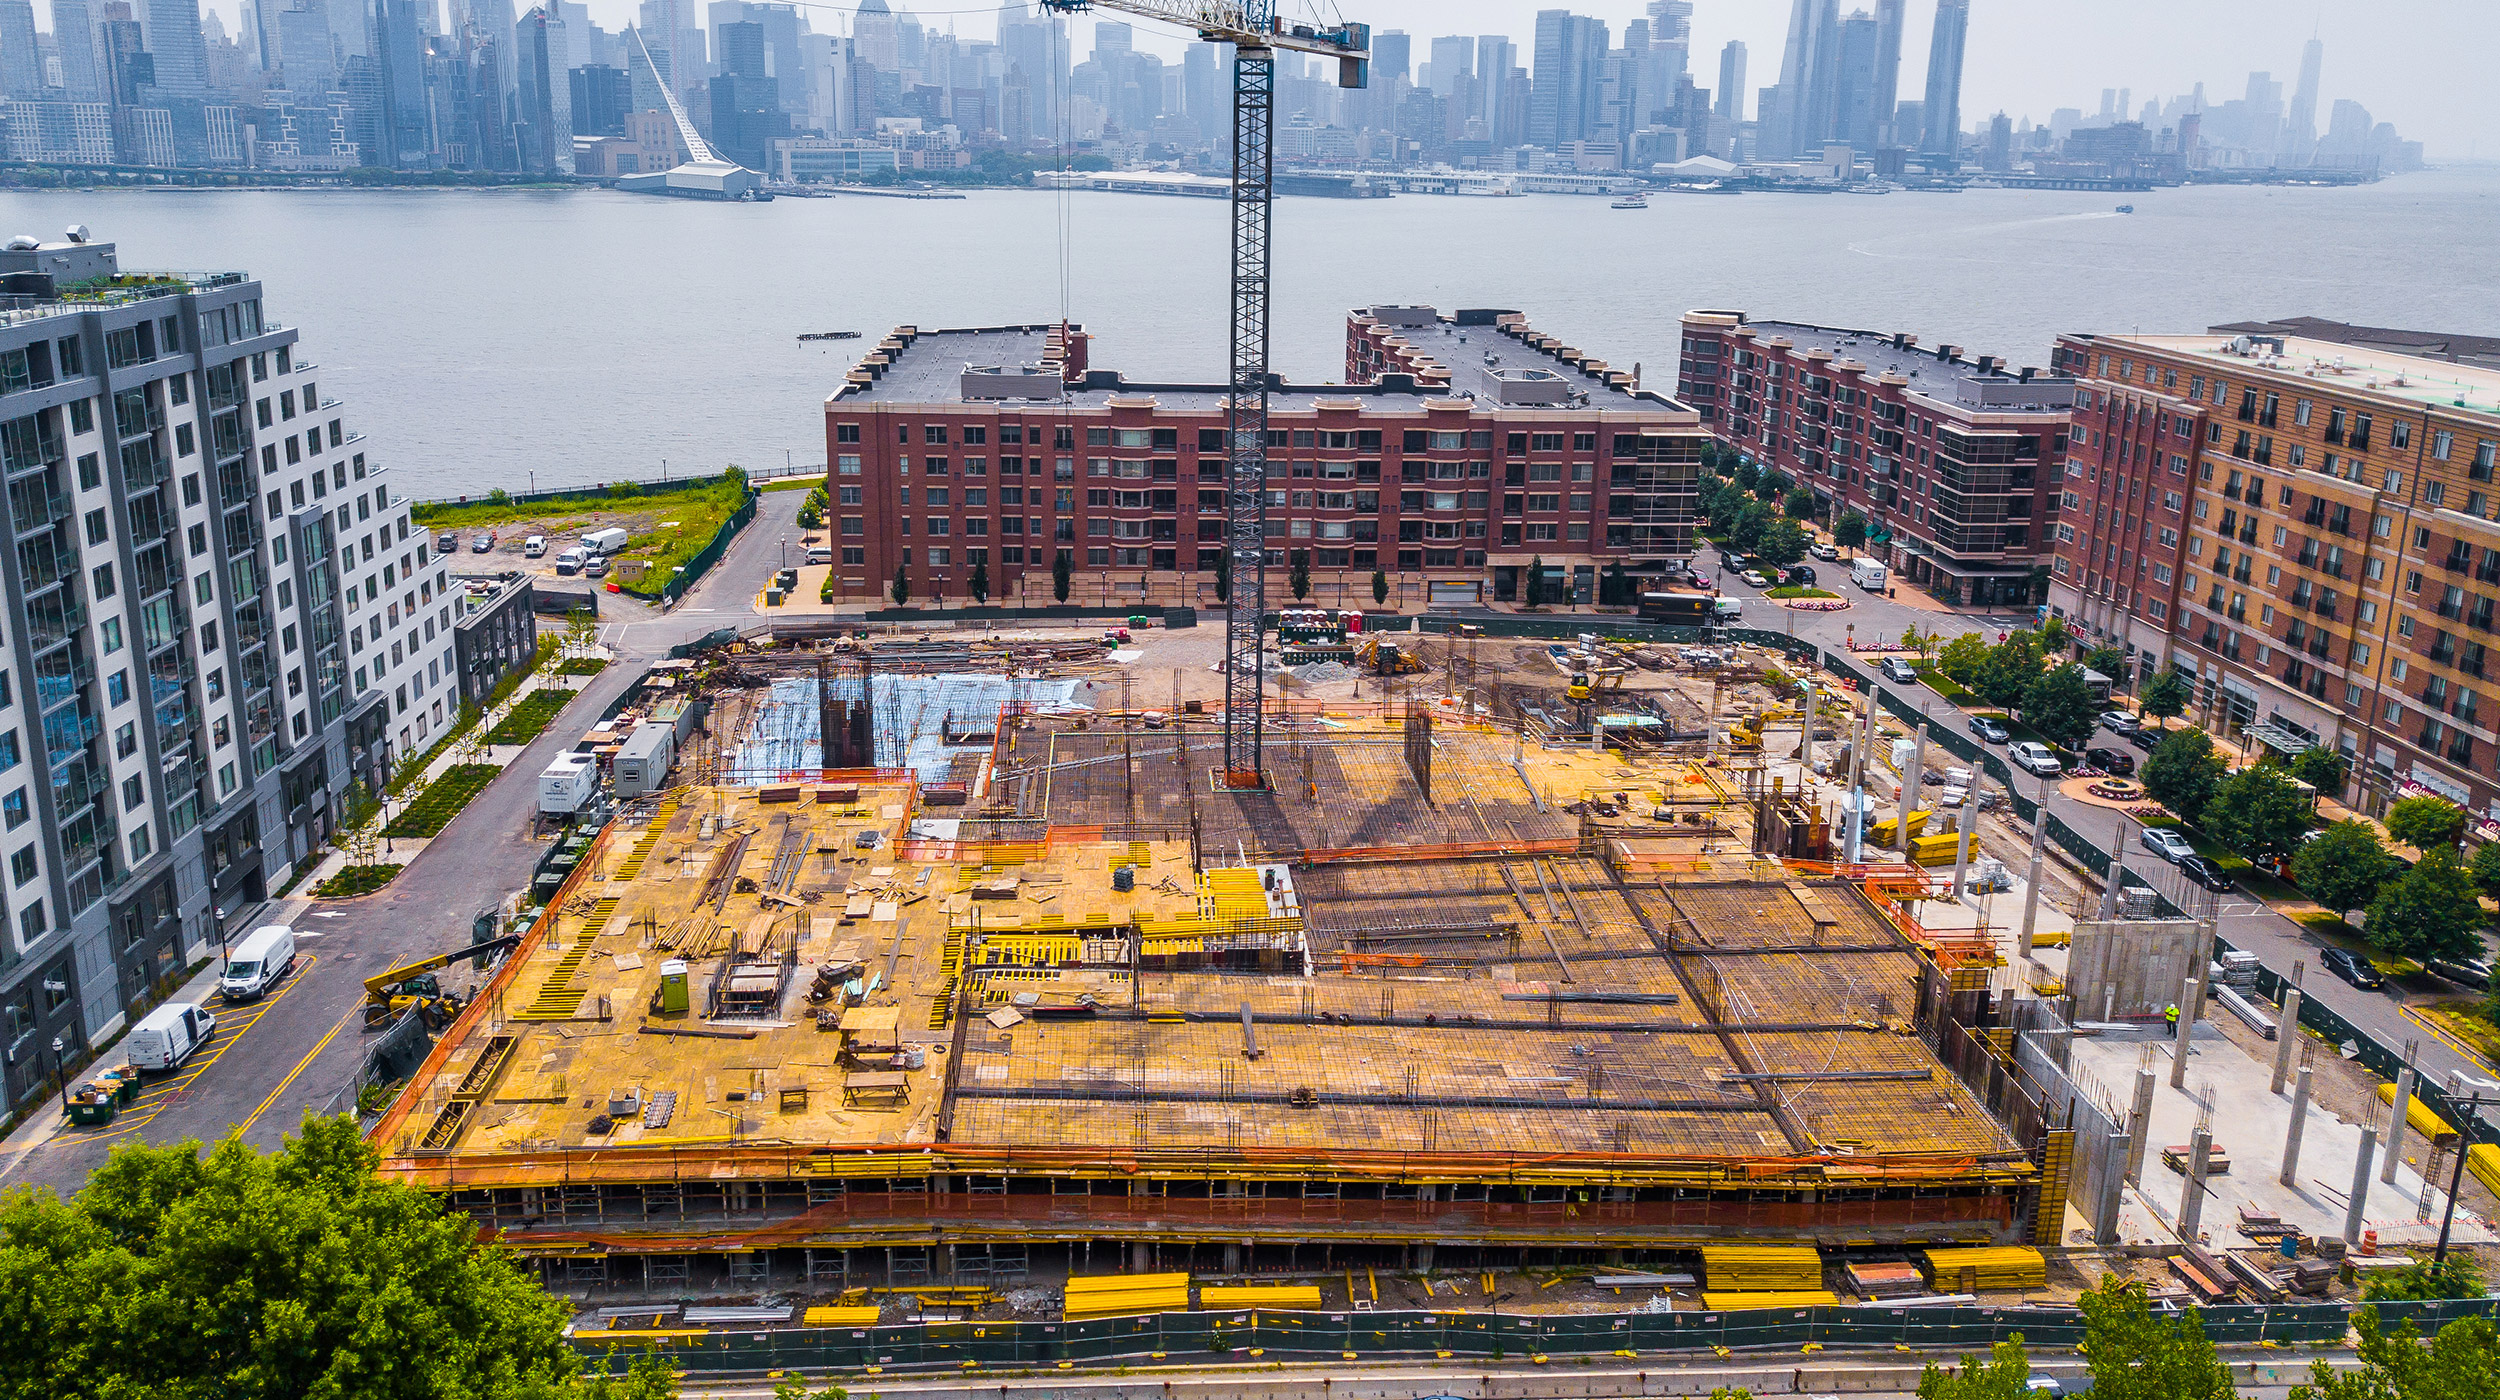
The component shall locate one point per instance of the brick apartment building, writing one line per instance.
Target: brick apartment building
(2304, 527)
(1461, 449)
(1953, 462)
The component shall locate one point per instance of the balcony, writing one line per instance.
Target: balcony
(2458, 561)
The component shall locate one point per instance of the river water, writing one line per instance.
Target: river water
(488, 338)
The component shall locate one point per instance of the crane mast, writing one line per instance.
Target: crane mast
(1250, 27)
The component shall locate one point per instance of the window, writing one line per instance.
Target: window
(13, 809)
(846, 432)
(22, 866)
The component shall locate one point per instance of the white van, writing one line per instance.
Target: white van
(571, 561)
(534, 546)
(819, 554)
(254, 965)
(167, 1036)
(607, 541)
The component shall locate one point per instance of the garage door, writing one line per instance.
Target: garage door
(1454, 595)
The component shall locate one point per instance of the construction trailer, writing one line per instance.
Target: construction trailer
(643, 761)
(1114, 1014)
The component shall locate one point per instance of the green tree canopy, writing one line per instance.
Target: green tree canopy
(2431, 911)
(1961, 658)
(2344, 867)
(2484, 868)
(902, 585)
(2012, 667)
(1380, 588)
(1752, 523)
(2136, 1355)
(2461, 1363)
(979, 584)
(2323, 769)
(2053, 634)
(2061, 706)
(184, 1275)
(1798, 504)
(1783, 543)
(2004, 1374)
(2259, 812)
(2110, 662)
(1535, 582)
(2165, 696)
(1849, 531)
(1223, 575)
(1747, 477)
(1298, 574)
(2425, 821)
(1062, 572)
(2184, 773)
(2426, 1281)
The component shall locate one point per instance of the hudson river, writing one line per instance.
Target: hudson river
(481, 337)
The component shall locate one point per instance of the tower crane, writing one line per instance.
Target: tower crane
(1251, 27)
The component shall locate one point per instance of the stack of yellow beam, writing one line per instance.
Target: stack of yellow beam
(865, 1316)
(2483, 1160)
(1761, 1269)
(2008, 1266)
(1259, 1295)
(1740, 1301)
(1115, 1295)
(2418, 1116)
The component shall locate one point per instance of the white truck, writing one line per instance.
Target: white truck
(1727, 611)
(254, 965)
(1867, 574)
(607, 541)
(166, 1036)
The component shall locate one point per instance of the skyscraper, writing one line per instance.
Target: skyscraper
(1809, 81)
(1496, 57)
(1886, 99)
(73, 33)
(543, 94)
(2301, 128)
(1854, 114)
(1453, 63)
(1562, 98)
(1732, 82)
(21, 58)
(1943, 109)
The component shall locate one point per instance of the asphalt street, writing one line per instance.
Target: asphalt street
(2245, 923)
(292, 1053)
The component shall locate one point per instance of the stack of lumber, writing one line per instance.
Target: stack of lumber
(862, 1316)
(1895, 1280)
(1115, 1295)
(1735, 1301)
(2310, 1277)
(1761, 1268)
(1975, 1270)
(1259, 1295)
(2210, 1281)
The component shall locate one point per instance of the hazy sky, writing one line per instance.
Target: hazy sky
(2422, 64)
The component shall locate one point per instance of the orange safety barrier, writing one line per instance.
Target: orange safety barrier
(1458, 850)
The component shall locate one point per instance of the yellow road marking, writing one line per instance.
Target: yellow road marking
(353, 1012)
(158, 1095)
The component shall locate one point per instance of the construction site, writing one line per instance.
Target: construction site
(928, 979)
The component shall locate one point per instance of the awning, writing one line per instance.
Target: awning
(2280, 739)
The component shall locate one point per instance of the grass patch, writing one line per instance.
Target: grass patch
(1945, 686)
(1794, 590)
(442, 800)
(2327, 925)
(2464, 1020)
(530, 718)
(355, 880)
(792, 483)
(583, 666)
(495, 508)
(462, 723)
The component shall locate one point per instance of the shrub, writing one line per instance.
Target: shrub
(354, 880)
(442, 800)
(530, 718)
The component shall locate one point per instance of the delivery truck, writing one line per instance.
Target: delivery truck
(1867, 574)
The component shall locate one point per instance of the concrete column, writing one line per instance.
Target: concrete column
(2192, 1203)
(1962, 820)
(2289, 1033)
(2360, 1187)
(2187, 1028)
(2396, 1123)
(2113, 1191)
(1140, 1261)
(1805, 743)
(2031, 876)
(2300, 1118)
(1862, 763)
(1423, 1257)
(1909, 791)
(1232, 1258)
(2139, 1125)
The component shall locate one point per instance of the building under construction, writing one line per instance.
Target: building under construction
(1060, 1000)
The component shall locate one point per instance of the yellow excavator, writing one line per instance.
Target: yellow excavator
(414, 984)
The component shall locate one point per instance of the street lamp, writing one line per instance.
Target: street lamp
(60, 1071)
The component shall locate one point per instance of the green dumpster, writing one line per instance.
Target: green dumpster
(93, 1106)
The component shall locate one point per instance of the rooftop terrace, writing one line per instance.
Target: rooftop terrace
(2353, 368)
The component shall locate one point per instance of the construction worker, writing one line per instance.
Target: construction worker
(2170, 1016)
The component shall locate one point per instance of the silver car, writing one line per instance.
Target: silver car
(2164, 842)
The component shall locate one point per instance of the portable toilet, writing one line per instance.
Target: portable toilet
(671, 998)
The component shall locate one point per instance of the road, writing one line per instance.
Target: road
(2247, 924)
(291, 1054)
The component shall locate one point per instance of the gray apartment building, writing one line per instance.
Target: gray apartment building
(494, 629)
(219, 623)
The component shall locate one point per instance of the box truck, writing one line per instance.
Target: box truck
(166, 1036)
(1867, 574)
(254, 965)
(607, 541)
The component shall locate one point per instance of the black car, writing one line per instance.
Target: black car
(2145, 739)
(2204, 872)
(2110, 761)
(1799, 574)
(2351, 968)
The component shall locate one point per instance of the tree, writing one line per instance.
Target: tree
(1914, 640)
(1536, 582)
(2426, 1281)
(1745, 536)
(2431, 911)
(2261, 813)
(1299, 574)
(581, 632)
(734, 477)
(2165, 696)
(2484, 868)
(2323, 769)
(2425, 821)
(979, 583)
(1798, 504)
(2005, 1374)
(1962, 657)
(1223, 578)
(2061, 706)
(902, 585)
(2184, 773)
(2053, 634)
(1748, 477)
(2343, 867)
(2012, 667)
(185, 1274)
(1723, 502)
(1849, 531)
(1062, 570)
(812, 509)
(2461, 1363)
(1380, 588)
(2110, 662)
(2135, 1355)
(1613, 586)
(1783, 543)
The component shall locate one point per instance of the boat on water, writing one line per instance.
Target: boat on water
(2126, 208)
(1631, 201)
(829, 335)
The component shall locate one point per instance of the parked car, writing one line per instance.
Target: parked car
(2164, 842)
(1896, 669)
(2470, 972)
(597, 567)
(2352, 968)
(482, 543)
(2034, 758)
(1799, 574)
(2110, 761)
(2204, 872)
(2145, 739)
(1989, 730)
(1756, 577)
(2120, 722)
(1821, 550)
(448, 542)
